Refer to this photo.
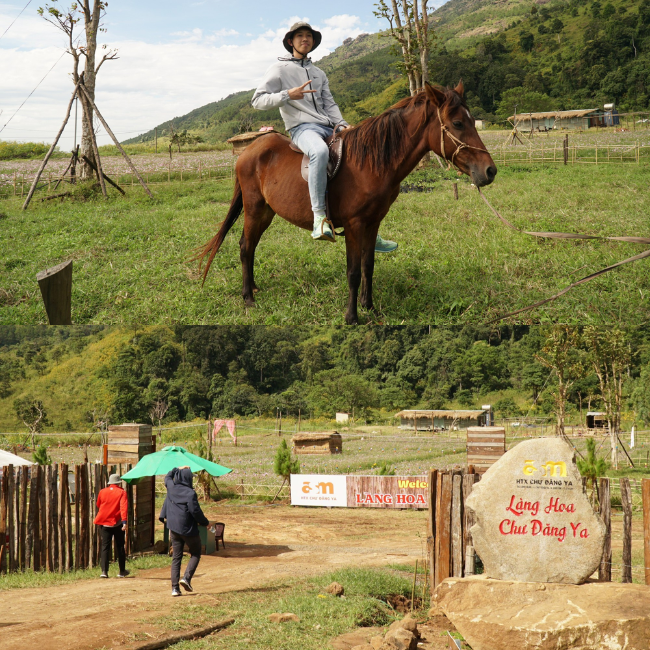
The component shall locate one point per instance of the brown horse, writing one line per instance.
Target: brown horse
(377, 155)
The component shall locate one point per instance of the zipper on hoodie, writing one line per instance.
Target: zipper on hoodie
(313, 99)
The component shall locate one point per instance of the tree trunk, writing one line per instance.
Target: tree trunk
(92, 26)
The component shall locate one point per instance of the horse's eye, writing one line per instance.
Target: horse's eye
(457, 124)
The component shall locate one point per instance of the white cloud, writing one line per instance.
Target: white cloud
(227, 32)
(150, 82)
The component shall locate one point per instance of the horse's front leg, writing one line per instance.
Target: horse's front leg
(353, 245)
(368, 265)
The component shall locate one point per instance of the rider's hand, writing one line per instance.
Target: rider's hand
(299, 91)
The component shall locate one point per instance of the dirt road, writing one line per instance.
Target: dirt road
(263, 544)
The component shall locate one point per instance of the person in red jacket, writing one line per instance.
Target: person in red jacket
(112, 506)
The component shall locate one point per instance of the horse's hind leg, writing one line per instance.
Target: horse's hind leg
(368, 265)
(256, 221)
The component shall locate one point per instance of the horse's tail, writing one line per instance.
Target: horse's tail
(213, 246)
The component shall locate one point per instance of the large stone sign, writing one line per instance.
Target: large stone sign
(534, 522)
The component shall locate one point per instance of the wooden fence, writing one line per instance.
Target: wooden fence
(20, 183)
(46, 517)
(598, 154)
(450, 551)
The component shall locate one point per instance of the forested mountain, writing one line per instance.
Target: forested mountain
(541, 56)
(78, 373)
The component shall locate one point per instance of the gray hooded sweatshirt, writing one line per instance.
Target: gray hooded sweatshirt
(318, 107)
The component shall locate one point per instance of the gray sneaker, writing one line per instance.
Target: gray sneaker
(186, 584)
(104, 575)
(123, 575)
(384, 245)
(176, 592)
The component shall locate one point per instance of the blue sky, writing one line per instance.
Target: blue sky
(174, 57)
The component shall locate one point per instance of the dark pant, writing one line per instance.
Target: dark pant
(194, 547)
(108, 532)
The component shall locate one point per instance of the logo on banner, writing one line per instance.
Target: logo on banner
(318, 490)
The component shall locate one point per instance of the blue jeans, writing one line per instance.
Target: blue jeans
(310, 138)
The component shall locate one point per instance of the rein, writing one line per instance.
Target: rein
(567, 235)
(460, 144)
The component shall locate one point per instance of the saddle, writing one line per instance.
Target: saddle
(335, 145)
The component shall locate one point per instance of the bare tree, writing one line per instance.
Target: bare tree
(91, 12)
(158, 411)
(561, 354)
(409, 27)
(610, 357)
(33, 415)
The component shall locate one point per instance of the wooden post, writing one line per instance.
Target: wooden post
(4, 498)
(626, 502)
(32, 189)
(63, 507)
(455, 191)
(130, 519)
(457, 526)
(605, 570)
(156, 136)
(116, 141)
(645, 491)
(24, 482)
(77, 495)
(29, 546)
(443, 525)
(49, 533)
(11, 512)
(56, 289)
(42, 513)
(431, 527)
(68, 522)
(468, 516)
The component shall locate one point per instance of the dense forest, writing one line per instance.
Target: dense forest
(122, 374)
(558, 55)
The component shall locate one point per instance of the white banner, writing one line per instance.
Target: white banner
(319, 490)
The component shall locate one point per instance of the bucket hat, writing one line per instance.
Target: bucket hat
(318, 37)
(114, 479)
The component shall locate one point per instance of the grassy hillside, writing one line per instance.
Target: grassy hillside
(248, 371)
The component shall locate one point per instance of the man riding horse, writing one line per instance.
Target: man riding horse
(310, 115)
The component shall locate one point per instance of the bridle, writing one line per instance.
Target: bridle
(460, 145)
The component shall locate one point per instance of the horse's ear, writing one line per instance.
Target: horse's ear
(435, 94)
(460, 88)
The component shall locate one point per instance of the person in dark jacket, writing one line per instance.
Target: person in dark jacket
(182, 511)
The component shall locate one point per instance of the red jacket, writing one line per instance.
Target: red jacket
(112, 504)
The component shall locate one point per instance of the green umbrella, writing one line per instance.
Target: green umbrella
(160, 462)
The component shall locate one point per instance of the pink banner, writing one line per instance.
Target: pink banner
(229, 424)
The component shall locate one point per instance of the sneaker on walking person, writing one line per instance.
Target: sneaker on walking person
(123, 574)
(176, 592)
(302, 93)
(186, 584)
(103, 575)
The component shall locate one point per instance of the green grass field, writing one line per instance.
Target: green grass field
(456, 262)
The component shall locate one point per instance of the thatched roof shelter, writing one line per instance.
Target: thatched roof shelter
(452, 415)
(242, 140)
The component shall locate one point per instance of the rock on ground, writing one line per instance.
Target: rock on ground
(498, 614)
(335, 589)
(283, 618)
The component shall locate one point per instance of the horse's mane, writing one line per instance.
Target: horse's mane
(379, 141)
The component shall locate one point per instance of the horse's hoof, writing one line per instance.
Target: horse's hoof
(249, 302)
(352, 320)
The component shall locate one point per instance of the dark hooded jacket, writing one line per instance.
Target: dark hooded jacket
(181, 507)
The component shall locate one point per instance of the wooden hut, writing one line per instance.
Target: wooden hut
(317, 443)
(545, 121)
(441, 420)
(241, 141)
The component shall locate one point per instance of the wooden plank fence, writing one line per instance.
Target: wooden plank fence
(588, 154)
(47, 517)
(450, 552)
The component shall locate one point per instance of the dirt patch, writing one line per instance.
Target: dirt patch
(263, 544)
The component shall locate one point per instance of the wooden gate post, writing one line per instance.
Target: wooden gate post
(4, 497)
(431, 528)
(605, 570)
(626, 502)
(645, 488)
(443, 528)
